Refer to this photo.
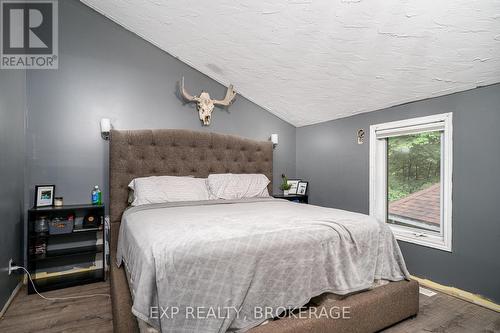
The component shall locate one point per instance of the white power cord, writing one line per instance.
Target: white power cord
(14, 268)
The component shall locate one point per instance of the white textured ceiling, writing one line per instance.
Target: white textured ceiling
(309, 61)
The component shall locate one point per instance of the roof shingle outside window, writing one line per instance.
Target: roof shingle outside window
(421, 206)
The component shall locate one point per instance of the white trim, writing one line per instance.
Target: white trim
(425, 227)
(459, 293)
(413, 121)
(11, 298)
(378, 176)
(416, 129)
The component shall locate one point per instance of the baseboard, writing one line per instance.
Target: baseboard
(459, 293)
(14, 293)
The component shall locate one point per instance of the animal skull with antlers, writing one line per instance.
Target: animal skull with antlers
(205, 104)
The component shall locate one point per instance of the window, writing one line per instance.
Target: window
(411, 178)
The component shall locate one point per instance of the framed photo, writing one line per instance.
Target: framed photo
(302, 188)
(294, 183)
(44, 195)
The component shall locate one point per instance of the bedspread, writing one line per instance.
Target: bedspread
(219, 265)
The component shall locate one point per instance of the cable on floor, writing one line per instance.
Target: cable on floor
(57, 298)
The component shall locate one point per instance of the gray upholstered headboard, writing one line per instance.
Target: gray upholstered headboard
(142, 153)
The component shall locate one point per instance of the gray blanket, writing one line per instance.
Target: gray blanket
(215, 266)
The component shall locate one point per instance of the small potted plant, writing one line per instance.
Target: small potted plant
(284, 185)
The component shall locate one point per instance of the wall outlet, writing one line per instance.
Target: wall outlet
(11, 263)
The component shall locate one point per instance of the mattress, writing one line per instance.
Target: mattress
(246, 253)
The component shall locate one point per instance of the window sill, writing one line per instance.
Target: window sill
(423, 239)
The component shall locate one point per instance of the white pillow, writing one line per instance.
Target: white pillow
(237, 186)
(159, 189)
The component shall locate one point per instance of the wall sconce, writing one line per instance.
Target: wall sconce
(274, 139)
(105, 128)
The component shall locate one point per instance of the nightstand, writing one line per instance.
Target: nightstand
(60, 255)
(293, 197)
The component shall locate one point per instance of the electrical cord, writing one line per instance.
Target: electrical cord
(55, 298)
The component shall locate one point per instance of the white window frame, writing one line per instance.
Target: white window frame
(378, 176)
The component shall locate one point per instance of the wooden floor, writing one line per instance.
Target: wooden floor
(446, 314)
(440, 314)
(30, 313)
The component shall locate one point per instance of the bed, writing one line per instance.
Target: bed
(187, 153)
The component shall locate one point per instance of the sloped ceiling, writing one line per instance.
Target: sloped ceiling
(309, 61)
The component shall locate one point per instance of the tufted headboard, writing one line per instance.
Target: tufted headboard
(175, 152)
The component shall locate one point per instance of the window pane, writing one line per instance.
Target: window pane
(414, 180)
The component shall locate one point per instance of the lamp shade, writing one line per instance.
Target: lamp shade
(274, 139)
(105, 125)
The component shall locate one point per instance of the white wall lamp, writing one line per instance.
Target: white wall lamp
(105, 128)
(274, 140)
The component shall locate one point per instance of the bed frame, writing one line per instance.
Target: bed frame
(143, 153)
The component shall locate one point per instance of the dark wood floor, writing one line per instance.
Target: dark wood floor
(440, 314)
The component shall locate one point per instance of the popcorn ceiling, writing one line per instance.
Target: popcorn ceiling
(313, 61)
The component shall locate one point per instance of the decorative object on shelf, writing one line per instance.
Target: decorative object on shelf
(42, 224)
(58, 201)
(294, 183)
(59, 225)
(302, 188)
(361, 136)
(44, 195)
(91, 221)
(205, 104)
(284, 186)
(40, 247)
(105, 128)
(274, 140)
(78, 222)
(96, 196)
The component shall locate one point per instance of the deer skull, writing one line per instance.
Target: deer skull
(205, 104)
(205, 107)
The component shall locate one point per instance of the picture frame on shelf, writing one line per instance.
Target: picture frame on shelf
(44, 195)
(294, 184)
(302, 188)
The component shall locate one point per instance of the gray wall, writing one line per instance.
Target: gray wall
(337, 168)
(12, 111)
(107, 72)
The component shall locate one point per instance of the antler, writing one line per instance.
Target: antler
(186, 95)
(230, 95)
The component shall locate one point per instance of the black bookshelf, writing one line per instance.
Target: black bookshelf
(67, 259)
